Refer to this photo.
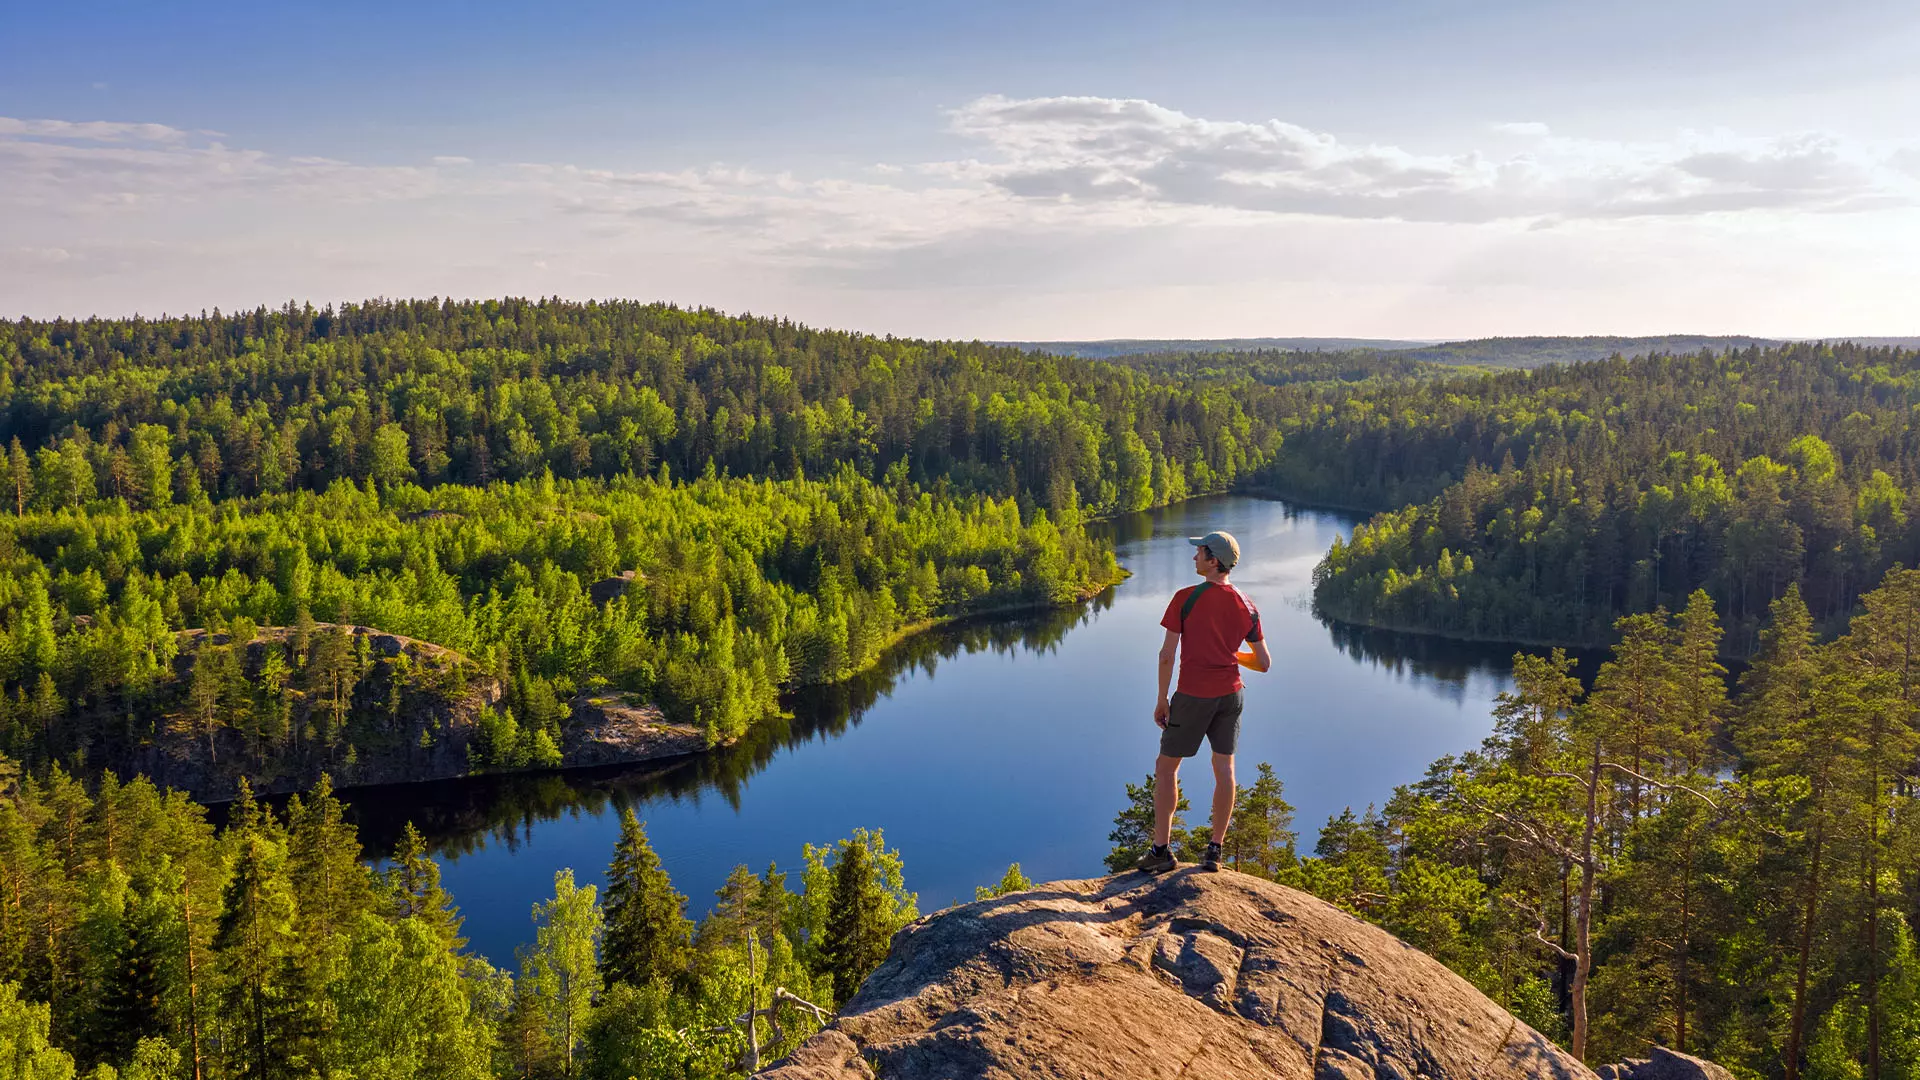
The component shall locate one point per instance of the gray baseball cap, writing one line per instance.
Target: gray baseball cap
(1225, 549)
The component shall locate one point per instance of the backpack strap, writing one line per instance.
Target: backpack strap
(1186, 609)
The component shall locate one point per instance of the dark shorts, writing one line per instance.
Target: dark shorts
(1189, 718)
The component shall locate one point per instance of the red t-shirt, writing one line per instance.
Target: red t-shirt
(1220, 620)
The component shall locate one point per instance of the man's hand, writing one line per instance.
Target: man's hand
(1160, 712)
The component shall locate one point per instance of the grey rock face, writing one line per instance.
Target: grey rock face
(1665, 1064)
(1188, 974)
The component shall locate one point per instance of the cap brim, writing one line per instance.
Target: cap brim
(1197, 541)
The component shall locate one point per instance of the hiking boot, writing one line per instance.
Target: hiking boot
(1156, 862)
(1213, 857)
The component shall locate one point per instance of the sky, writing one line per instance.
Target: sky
(1005, 171)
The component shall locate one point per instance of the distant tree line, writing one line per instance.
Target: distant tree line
(155, 411)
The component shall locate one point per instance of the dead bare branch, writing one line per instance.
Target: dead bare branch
(1540, 930)
(1661, 784)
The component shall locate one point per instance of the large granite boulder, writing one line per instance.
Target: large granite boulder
(1189, 974)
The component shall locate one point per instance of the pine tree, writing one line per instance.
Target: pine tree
(204, 690)
(1132, 831)
(1530, 720)
(524, 1040)
(19, 476)
(857, 930)
(327, 874)
(1012, 881)
(1701, 691)
(1633, 703)
(1882, 650)
(1798, 737)
(413, 883)
(1260, 840)
(648, 933)
(132, 1000)
(254, 941)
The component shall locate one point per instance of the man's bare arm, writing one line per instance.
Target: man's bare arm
(1168, 648)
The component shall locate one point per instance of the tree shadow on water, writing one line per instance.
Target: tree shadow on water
(465, 815)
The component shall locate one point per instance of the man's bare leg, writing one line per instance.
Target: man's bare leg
(1166, 795)
(1222, 796)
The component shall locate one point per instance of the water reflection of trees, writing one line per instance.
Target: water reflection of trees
(1444, 663)
(463, 816)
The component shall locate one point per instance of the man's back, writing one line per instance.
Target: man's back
(1212, 620)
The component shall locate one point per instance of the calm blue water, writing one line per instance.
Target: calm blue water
(982, 745)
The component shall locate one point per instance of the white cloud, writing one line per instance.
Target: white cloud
(1524, 128)
(1093, 150)
(90, 130)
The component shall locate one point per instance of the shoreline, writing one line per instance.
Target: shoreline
(1276, 495)
(674, 743)
(1463, 638)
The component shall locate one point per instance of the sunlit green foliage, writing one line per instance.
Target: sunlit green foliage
(137, 943)
(432, 392)
(739, 588)
(1548, 503)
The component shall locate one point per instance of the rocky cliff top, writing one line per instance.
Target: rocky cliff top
(1189, 974)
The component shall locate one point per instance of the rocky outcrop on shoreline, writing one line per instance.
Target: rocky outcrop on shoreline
(613, 728)
(412, 712)
(1189, 974)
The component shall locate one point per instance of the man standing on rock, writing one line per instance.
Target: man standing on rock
(1205, 625)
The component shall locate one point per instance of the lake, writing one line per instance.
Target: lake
(983, 744)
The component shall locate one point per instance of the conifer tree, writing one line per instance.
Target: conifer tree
(1012, 881)
(19, 476)
(132, 1004)
(254, 942)
(1260, 839)
(648, 933)
(857, 929)
(326, 872)
(1798, 738)
(413, 882)
(1531, 719)
(1882, 650)
(1132, 831)
(1701, 690)
(524, 1040)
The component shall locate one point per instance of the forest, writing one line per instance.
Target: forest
(1541, 506)
(787, 501)
(157, 411)
(1656, 856)
(138, 943)
(741, 588)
